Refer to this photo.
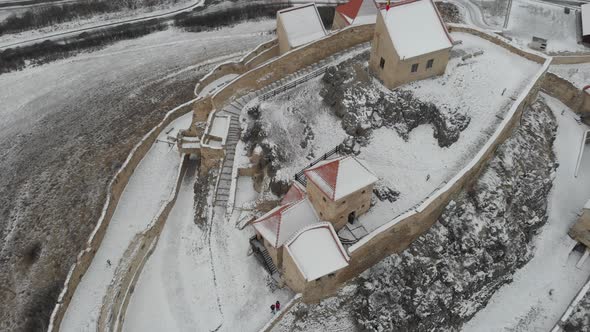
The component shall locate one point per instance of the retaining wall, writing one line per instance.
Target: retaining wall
(277, 318)
(567, 93)
(114, 304)
(500, 41)
(114, 191)
(247, 62)
(570, 59)
(291, 62)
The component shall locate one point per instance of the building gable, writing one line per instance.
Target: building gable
(301, 24)
(415, 28)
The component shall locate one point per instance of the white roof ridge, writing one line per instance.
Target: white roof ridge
(405, 47)
(296, 6)
(336, 240)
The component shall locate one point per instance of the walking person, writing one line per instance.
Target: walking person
(272, 309)
(278, 306)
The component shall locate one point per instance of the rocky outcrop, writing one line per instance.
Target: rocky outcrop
(482, 237)
(363, 106)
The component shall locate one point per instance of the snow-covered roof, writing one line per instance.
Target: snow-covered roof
(340, 177)
(358, 11)
(280, 223)
(302, 24)
(296, 192)
(585, 19)
(216, 131)
(317, 251)
(416, 28)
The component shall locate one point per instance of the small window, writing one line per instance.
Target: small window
(363, 206)
(324, 198)
(343, 202)
(364, 191)
(382, 63)
(429, 63)
(341, 217)
(414, 68)
(321, 214)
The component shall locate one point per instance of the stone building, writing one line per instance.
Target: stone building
(580, 231)
(299, 25)
(410, 43)
(355, 12)
(212, 143)
(313, 253)
(277, 226)
(340, 189)
(298, 238)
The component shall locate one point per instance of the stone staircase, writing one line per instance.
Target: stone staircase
(225, 177)
(261, 252)
(234, 109)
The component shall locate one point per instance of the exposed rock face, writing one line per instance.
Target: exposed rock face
(272, 155)
(579, 321)
(363, 106)
(449, 12)
(482, 237)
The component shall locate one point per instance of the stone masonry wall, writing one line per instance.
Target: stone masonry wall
(239, 67)
(291, 62)
(115, 303)
(569, 94)
(115, 190)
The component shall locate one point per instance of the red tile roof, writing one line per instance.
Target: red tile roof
(350, 9)
(296, 193)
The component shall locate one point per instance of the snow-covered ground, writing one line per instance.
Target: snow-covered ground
(139, 204)
(543, 288)
(418, 166)
(203, 278)
(530, 18)
(578, 74)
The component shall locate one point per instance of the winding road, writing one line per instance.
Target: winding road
(61, 35)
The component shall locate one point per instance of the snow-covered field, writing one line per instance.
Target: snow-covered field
(138, 206)
(578, 74)
(418, 166)
(543, 288)
(66, 127)
(530, 18)
(203, 278)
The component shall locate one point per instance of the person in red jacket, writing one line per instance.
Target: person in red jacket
(278, 305)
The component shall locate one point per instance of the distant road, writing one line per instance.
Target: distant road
(50, 36)
(199, 3)
(475, 17)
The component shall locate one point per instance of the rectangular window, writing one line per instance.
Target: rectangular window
(429, 63)
(414, 68)
(382, 63)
